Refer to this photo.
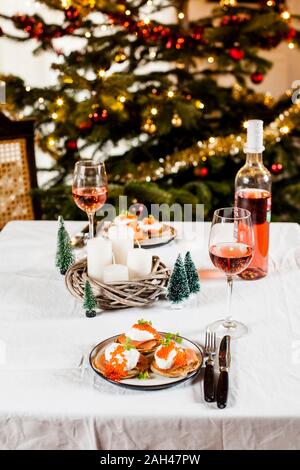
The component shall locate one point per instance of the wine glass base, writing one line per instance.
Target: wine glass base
(235, 329)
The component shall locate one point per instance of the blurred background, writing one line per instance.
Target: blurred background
(159, 90)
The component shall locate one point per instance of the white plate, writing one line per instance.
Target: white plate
(155, 382)
(168, 234)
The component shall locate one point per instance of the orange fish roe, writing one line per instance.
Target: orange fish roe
(114, 368)
(127, 215)
(164, 351)
(146, 327)
(149, 220)
(180, 358)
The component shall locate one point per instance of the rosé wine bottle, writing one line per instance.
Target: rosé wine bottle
(253, 192)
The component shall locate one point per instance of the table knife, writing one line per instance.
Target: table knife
(224, 364)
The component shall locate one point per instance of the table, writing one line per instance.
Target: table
(49, 401)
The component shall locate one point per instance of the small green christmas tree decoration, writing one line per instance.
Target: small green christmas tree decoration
(64, 253)
(191, 273)
(89, 301)
(178, 287)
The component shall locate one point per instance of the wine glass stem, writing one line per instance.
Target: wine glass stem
(91, 225)
(228, 320)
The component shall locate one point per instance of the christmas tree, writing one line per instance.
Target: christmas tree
(178, 287)
(151, 91)
(191, 273)
(64, 253)
(89, 301)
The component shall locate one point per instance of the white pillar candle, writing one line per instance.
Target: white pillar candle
(139, 263)
(122, 239)
(99, 255)
(115, 273)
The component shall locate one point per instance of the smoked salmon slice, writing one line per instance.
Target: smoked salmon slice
(139, 344)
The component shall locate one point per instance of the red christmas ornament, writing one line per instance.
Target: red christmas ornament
(165, 32)
(69, 29)
(234, 20)
(85, 125)
(169, 43)
(291, 34)
(236, 54)
(225, 21)
(58, 33)
(276, 168)
(37, 30)
(257, 78)
(72, 14)
(179, 43)
(71, 144)
(202, 172)
(99, 116)
(197, 33)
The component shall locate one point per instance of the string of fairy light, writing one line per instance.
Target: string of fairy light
(195, 155)
(149, 125)
(228, 146)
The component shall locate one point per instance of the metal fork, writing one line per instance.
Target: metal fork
(210, 351)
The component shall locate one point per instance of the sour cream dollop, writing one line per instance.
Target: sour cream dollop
(137, 334)
(131, 356)
(123, 220)
(169, 353)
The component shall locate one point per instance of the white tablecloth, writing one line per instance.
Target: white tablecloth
(47, 401)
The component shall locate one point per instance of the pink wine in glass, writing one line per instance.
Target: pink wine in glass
(231, 258)
(253, 192)
(90, 199)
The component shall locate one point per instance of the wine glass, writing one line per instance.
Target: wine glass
(231, 246)
(89, 188)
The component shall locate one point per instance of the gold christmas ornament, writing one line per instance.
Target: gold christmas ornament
(228, 3)
(51, 141)
(68, 80)
(149, 126)
(66, 3)
(83, 6)
(180, 64)
(199, 104)
(101, 73)
(176, 120)
(120, 56)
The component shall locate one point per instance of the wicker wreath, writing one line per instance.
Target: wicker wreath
(122, 294)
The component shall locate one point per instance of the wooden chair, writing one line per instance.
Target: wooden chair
(17, 171)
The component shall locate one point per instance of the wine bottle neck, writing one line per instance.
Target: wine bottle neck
(254, 159)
